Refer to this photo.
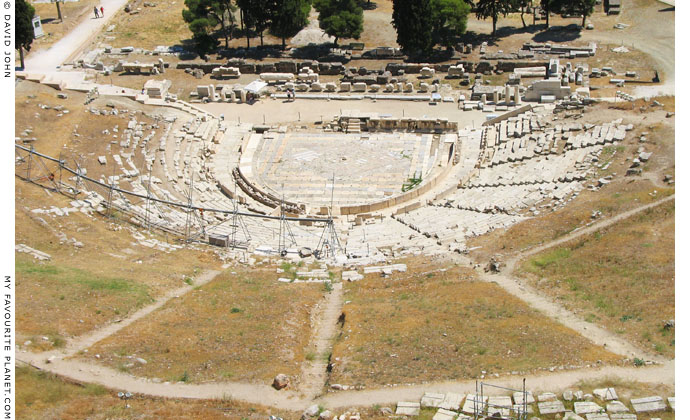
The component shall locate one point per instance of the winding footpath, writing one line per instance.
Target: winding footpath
(550, 308)
(315, 372)
(48, 61)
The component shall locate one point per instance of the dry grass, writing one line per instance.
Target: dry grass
(239, 327)
(81, 288)
(42, 395)
(152, 26)
(623, 193)
(617, 197)
(51, 131)
(621, 277)
(58, 301)
(417, 327)
(72, 294)
(661, 142)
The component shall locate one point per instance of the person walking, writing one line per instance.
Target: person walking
(102, 12)
(95, 11)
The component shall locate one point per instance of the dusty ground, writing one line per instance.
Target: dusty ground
(419, 309)
(152, 26)
(71, 294)
(623, 193)
(54, 29)
(239, 327)
(407, 329)
(621, 277)
(45, 396)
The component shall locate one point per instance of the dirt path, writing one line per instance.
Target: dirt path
(551, 382)
(267, 396)
(587, 230)
(550, 308)
(314, 373)
(46, 61)
(111, 378)
(75, 345)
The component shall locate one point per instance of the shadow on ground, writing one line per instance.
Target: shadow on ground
(559, 34)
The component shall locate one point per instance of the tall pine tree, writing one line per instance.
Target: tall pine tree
(261, 12)
(290, 17)
(245, 18)
(202, 18)
(492, 9)
(583, 8)
(548, 6)
(522, 5)
(449, 19)
(412, 21)
(340, 18)
(24, 30)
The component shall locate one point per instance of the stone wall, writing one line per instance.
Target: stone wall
(329, 69)
(410, 124)
(509, 66)
(264, 197)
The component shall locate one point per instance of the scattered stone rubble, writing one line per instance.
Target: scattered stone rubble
(450, 406)
(41, 256)
(516, 166)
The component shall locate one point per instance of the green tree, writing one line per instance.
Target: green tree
(412, 22)
(492, 9)
(583, 8)
(522, 5)
(245, 18)
(59, 12)
(449, 19)
(290, 17)
(340, 18)
(549, 6)
(202, 18)
(24, 29)
(258, 14)
(227, 21)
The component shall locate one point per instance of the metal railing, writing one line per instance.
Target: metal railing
(54, 174)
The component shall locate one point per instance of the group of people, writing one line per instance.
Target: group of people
(95, 12)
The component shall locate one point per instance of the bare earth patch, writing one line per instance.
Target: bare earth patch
(84, 287)
(42, 395)
(240, 327)
(621, 277)
(414, 327)
(152, 26)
